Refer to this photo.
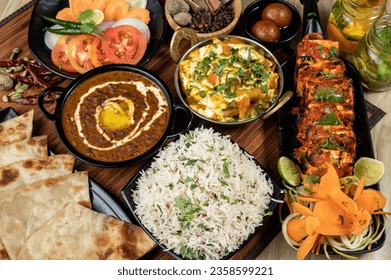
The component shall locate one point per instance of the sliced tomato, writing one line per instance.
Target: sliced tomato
(60, 55)
(124, 44)
(98, 56)
(79, 51)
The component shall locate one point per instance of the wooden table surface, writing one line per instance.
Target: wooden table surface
(258, 138)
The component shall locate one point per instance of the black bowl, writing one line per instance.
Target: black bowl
(253, 12)
(179, 118)
(50, 8)
(264, 229)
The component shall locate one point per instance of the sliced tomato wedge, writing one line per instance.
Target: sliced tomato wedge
(60, 55)
(98, 56)
(79, 52)
(124, 44)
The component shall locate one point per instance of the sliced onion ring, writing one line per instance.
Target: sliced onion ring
(50, 38)
(137, 23)
(106, 24)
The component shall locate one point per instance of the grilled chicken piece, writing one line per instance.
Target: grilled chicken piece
(313, 160)
(339, 90)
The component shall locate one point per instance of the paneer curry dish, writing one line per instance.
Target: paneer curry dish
(229, 80)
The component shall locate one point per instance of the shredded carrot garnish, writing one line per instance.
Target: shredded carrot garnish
(333, 213)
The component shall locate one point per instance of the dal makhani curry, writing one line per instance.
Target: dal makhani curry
(115, 116)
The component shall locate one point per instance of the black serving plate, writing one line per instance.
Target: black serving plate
(50, 8)
(287, 121)
(101, 200)
(268, 230)
(287, 126)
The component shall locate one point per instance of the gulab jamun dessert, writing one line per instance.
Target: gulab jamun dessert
(278, 13)
(266, 30)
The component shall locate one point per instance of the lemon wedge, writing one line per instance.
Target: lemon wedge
(373, 170)
(289, 171)
(98, 16)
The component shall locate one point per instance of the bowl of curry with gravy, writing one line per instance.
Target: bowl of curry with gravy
(115, 115)
(229, 80)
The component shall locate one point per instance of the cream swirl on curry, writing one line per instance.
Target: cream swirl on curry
(115, 116)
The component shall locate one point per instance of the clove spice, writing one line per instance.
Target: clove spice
(207, 21)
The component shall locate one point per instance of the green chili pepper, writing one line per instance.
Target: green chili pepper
(73, 28)
(63, 31)
(64, 23)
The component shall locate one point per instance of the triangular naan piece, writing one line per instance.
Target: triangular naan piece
(27, 209)
(21, 173)
(16, 129)
(25, 149)
(78, 233)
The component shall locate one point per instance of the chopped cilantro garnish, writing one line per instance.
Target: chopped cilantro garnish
(225, 167)
(330, 119)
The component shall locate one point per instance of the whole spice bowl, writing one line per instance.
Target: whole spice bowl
(272, 23)
(208, 18)
(229, 80)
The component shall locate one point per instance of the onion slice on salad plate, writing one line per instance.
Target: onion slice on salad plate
(137, 23)
(52, 38)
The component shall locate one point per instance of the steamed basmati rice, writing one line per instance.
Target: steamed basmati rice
(202, 196)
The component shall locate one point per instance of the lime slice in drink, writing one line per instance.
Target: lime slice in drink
(373, 170)
(289, 171)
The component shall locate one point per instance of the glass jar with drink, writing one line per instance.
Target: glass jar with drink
(372, 57)
(350, 20)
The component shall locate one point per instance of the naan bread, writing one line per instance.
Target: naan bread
(25, 149)
(16, 129)
(21, 173)
(78, 233)
(27, 209)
